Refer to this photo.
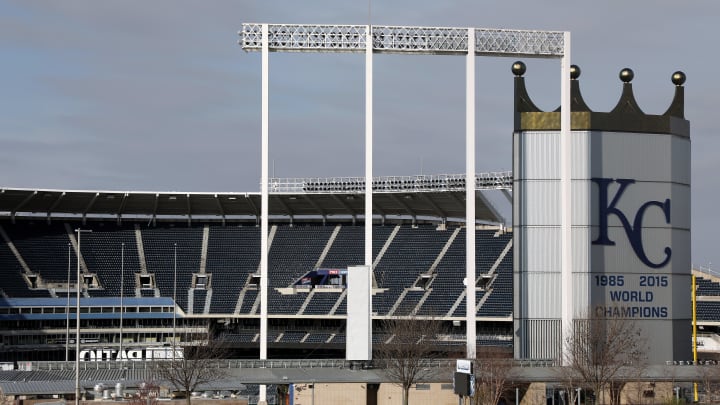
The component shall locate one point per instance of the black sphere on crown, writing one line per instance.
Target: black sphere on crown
(574, 72)
(626, 75)
(678, 78)
(518, 68)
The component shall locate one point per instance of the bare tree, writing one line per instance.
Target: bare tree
(602, 353)
(194, 366)
(710, 383)
(146, 394)
(570, 381)
(492, 370)
(4, 400)
(410, 342)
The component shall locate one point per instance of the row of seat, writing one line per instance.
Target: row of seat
(173, 254)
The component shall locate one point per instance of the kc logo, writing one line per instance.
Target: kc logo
(634, 231)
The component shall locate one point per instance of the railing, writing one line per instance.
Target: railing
(256, 364)
(707, 270)
(391, 184)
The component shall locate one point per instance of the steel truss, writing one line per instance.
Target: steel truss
(399, 39)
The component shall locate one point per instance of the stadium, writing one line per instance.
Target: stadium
(149, 275)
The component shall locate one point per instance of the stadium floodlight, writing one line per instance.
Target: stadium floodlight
(392, 184)
(77, 319)
(471, 42)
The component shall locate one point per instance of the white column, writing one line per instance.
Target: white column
(368, 145)
(264, 211)
(566, 193)
(122, 285)
(470, 194)
(77, 325)
(369, 167)
(67, 311)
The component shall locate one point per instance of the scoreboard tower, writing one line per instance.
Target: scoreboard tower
(630, 226)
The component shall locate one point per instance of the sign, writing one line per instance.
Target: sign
(632, 296)
(464, 366)
(150, 353)
(464, 384)
(634, 230)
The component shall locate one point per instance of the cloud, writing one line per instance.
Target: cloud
(158, 95)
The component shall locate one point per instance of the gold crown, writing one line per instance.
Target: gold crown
(625, 117)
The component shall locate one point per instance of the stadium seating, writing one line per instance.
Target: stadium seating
(294, 252)
(233, 254)
(14, 285)
(43, 247)
(321, 303)
(199, 297)
(447, 284)
(101, 250)
(707, 287)
(232, 259)
(411, 253)
(159, 246)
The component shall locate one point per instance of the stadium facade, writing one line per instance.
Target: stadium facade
(155, 270)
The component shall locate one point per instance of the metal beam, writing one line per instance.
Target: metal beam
(406, 207)
(54, 205)
(345, 206)
(438, 211)
(322, 212)
(89, 206)
(22, 204)
(123, 201)
(155, 208)
(287, 208)
(479, 195)
(220, 208)
(402, 39)
(254, 207)
(189, 209)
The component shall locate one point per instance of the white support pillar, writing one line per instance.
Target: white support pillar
(368, 145)
(264, 211)
(566, 195)
(470, 195)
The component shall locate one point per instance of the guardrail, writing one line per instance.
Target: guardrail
(255, 364)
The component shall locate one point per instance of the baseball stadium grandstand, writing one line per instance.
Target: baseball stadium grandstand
(158, 268)
(155, 267)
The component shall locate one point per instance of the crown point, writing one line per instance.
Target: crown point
(678, 78)
(518, 68)
(574, 72)
(626, 75)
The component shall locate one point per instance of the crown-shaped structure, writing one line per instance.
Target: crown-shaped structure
(625, 117)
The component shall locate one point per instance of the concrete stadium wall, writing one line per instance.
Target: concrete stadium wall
(355, 394)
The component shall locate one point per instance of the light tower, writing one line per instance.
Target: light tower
(368, 40)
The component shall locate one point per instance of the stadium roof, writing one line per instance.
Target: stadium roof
(438, 196)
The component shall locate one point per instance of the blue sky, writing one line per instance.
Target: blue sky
(157, 95)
